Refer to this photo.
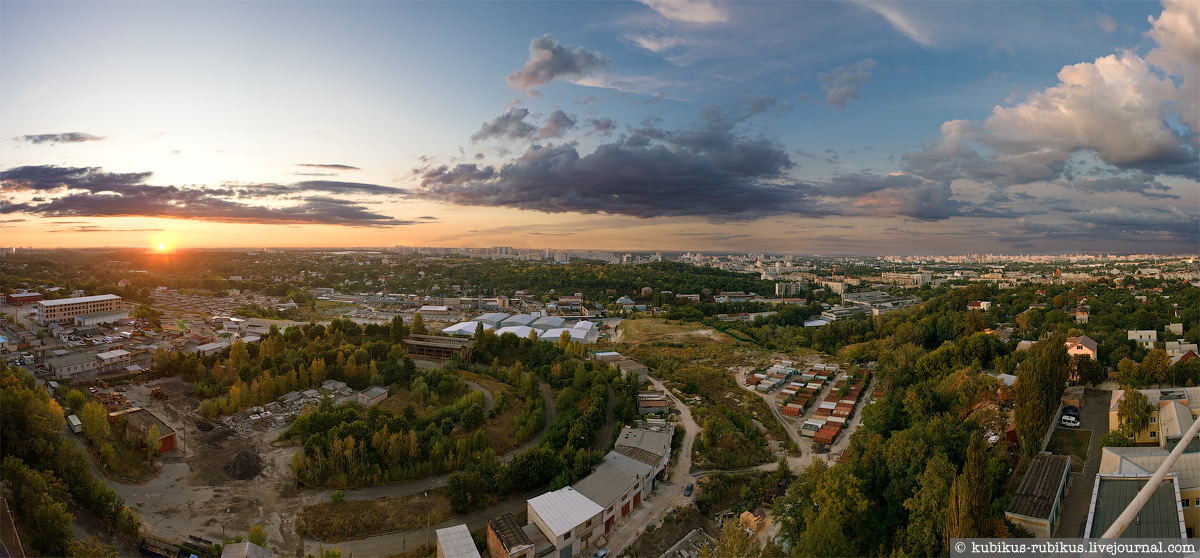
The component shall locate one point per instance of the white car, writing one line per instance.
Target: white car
(1069, 421)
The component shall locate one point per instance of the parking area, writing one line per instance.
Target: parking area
(1093, 418)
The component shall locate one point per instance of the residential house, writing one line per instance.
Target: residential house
(1082, 345)
(1146, 337)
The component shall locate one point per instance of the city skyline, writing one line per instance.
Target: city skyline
(805, 127)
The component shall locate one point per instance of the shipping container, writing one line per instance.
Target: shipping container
(811, 427)
(827, 435)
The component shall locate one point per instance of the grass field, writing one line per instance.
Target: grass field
(359, 519)
(655, 329)
(1066, 441)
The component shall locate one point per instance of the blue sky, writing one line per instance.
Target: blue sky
(813, 127)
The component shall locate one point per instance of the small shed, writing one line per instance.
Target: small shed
(1038, 501)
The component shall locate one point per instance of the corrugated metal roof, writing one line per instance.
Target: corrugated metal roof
(456, 541)
(1040, 487)
(509, 532)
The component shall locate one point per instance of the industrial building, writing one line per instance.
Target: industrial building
(439, 347)
(73, 366)
(138, 423)
(568, 519)
(65, 309)
(617, 485)
(20, 299)
(1160, 518)
(372, 396)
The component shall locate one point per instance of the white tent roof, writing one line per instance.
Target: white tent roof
(491, 317)
(519, 320)
(585, 325)
(519, 331)
(465, 328)
(554, 334)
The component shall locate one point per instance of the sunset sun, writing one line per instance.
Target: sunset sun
(161, 247)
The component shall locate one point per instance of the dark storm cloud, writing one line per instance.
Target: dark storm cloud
(69, 137)
(327, 166)
(844, 83)
(557, 124)
(510, 125)
(549, 60)
(90, 192)
(699, 171)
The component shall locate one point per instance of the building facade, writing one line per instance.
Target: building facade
(66, 309)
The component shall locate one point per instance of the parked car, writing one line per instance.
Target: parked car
(602, 552)
(687, 490)
(1070, 421)
(1071, 410)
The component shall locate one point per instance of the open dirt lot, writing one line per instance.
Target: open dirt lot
(218, 481)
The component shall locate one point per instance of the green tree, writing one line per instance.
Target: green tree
(95, 422)
(467, 491)
(1087, 370)
(835, 522)
(1041, 379)
(418, 325)
(733, 542)
(1133, 411)
(257, 535)
(129, 523)
(90, 547)
(153, 441)
(1127, 372)
(1156, 366)
(925, 534)
(53, 534)
(238, 355)
(1116, 439)
(973, 493)
(75, 401)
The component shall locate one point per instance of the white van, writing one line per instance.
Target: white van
(1069, 421)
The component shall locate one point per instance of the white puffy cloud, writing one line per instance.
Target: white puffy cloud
(1133, 113)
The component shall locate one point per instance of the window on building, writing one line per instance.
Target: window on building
(1154, 434)
(1187, 502)
(567, 535)
(1153, 420)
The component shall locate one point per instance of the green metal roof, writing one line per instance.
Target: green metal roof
(1159, 518)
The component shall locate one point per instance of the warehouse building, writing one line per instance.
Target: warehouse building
(66, 309)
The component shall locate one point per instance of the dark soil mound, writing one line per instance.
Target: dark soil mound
(204, 426)
(245, 465)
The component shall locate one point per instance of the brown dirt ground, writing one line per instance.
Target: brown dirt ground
(674, 526)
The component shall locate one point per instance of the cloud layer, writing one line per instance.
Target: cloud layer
(69, 137)
(90, 192)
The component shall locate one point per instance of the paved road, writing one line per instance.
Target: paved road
(488, 400)
(1094, 417)
(667, 495)
(548, 401)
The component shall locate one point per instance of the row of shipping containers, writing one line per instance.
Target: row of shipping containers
(837, 408)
